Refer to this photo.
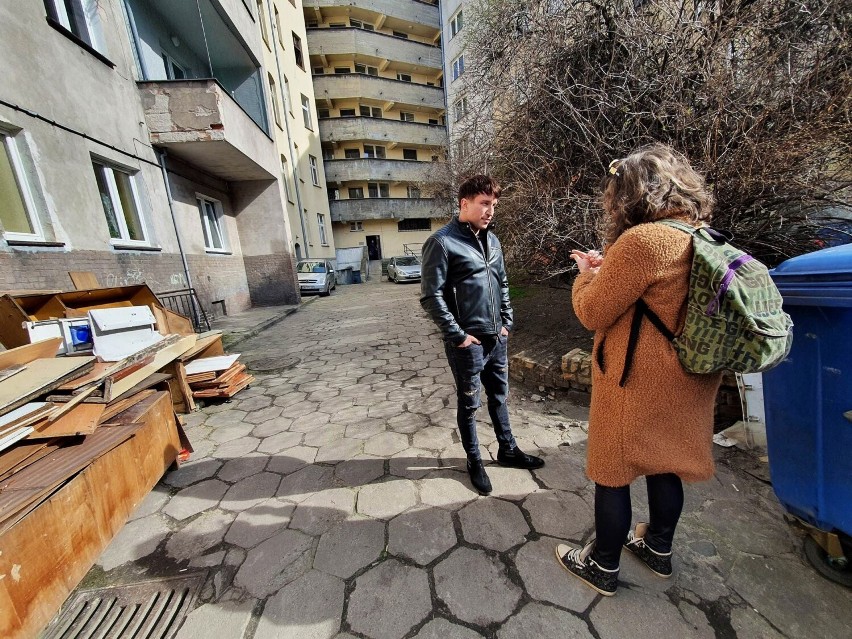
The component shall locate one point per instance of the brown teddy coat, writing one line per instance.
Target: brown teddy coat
(661, 421)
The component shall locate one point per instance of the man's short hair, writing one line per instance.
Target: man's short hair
(479, 184)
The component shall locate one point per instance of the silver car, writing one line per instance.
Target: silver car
(404, 268)
(316, 276)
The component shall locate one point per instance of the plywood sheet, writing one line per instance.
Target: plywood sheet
(41, 376)
(80, 420)
(25, 354)
(83, 280)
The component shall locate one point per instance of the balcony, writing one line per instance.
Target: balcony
(337, 87)
(390, 13)
(200, 123)
(415, 56)
(376, 170)
(383, 209)
(380, 130)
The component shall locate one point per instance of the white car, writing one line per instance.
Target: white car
(316, 276)
(404, 268)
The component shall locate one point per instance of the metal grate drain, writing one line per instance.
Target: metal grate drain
(148, 610)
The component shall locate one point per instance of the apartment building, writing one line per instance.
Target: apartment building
(139, 144)
(296, 127)
(378, 80)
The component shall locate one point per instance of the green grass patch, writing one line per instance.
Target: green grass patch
(518, 292)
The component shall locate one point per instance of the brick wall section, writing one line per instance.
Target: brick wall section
(575, 373)
(270, 279)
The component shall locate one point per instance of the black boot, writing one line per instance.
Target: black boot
(478, 476)
(516, 458)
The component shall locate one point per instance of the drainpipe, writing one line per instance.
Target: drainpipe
(294, 161)
(161, 154)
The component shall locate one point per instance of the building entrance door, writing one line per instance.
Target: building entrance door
(374, 247)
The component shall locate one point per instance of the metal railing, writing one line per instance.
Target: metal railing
(185, 301)
(412, 249)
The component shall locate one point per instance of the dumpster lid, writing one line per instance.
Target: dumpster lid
(834, 264)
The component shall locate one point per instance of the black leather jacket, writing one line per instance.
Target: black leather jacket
(463, 287)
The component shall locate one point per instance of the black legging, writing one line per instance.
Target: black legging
(613, 514)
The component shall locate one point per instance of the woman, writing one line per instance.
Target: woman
(648, 417)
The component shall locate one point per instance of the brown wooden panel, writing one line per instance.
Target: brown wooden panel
(84, 280)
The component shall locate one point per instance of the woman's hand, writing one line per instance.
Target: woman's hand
(587, 261)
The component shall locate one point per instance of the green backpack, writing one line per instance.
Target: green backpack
(734, 320)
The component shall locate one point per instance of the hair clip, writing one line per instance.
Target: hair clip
(614, 166)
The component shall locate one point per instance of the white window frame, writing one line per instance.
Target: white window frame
(402, 77)
(458, 67)
(456, 24)
(312, 161)
(94, 30)
(109, 177)
(378, 152)
(355, 227)
(285, 177)
(10, 144)
(205, 223)
(460, 109)
(366, 69)
(306, 112)
(406, 116)
(261, 22)
(323, 238)
(273, 95)
(171, 64)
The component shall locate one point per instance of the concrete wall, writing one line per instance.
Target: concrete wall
(377, 170)
(387, 89)
(391, 238)
(382, 208)
(408, 12)
(384, 131)
(334, 42)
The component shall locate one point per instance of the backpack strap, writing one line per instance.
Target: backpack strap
(640, 311)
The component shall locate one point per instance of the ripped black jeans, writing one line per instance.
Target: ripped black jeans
(476, 366)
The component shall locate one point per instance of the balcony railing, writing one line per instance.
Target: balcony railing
(376, 170)
(421, 13)
(383, 131)
(383, 209)
(335, 42)
(357, 85)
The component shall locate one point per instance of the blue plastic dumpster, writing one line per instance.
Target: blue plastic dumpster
(808, 401)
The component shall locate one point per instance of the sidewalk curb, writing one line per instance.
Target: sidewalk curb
(238, 338)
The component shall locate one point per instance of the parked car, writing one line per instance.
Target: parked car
(316, 276)
(404, 268)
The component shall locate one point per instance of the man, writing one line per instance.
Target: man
(466, 293)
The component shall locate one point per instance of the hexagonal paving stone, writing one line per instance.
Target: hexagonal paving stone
(272, 427)
(291, 459)
(251, 491)
(224, 419)
(261, 522)
(545, 580)
(408, 423)
(308, 608)
(136, 540)
(494, 524)
(544, 622)
(222, 434)
(192, 471)
(254, 403)
(447, 489)
(195, 499)
(279, 442)
(322, 510)
(413, 463)
(387, 499)
(324, 435)
(198, 535)
(564, 471)
(434, 438)
(236, 448)
(350, 546)
(275, 563)
(512, 483)
(288, 399)
(610, 617)
(390, 586)
(365, 428)
(299, 410)
(350, 415)
(335, 404)
(559, 514)
(300, 485)
(242, 467)
(360, 470)
(384, 410)
(263, 415)
(386, 444)
(476, 587)
(310, 422)
(340, 450)
(422, 535)
(443, 629)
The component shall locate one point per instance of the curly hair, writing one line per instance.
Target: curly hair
(654, 182)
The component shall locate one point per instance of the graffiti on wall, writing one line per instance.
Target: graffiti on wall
(138, 276)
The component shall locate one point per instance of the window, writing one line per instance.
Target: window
(211, 224)
(459, 109)
(337, 25)
(363, 68)
(174, 71)
(287, 94)
(413, 192)
(333, 193)
(371, 151)
(403, 77)
(121, 204)
(458, 67)
(261, 22)
(81, 18)
(409, 154)
(278, 26)
(356, 193)
(285, 177)
(456, 24)
(314, 170)
(400, 34)
(297, 51)
(273, 96)
(415, 224)
(356, 226)
(378, 190)
(342, 70)
(318, 71)
(433, 121)
(370, 112)
(327, 153)
(306, 112)
(323, 114)
(358, 24)
(310, 24)
(321, 224)
(462, 148)
(347, 113)
(406, 117)
(17, 207)
(351, 154)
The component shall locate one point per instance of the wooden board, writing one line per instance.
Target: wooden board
(98, 372)
(211, 364)
(25, 354)
(208, 345)
(41, 376)
(24, 453)
(171, 323)
(118, 407)
(81, 420)
(83, 280)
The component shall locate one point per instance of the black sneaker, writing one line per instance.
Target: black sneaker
(478, 476)
(516, 458)
(659, 563)
(579, 563)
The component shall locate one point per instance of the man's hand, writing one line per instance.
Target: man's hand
(504, 332)
(470, 339)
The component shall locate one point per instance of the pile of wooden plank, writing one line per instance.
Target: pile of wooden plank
(221, 376)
